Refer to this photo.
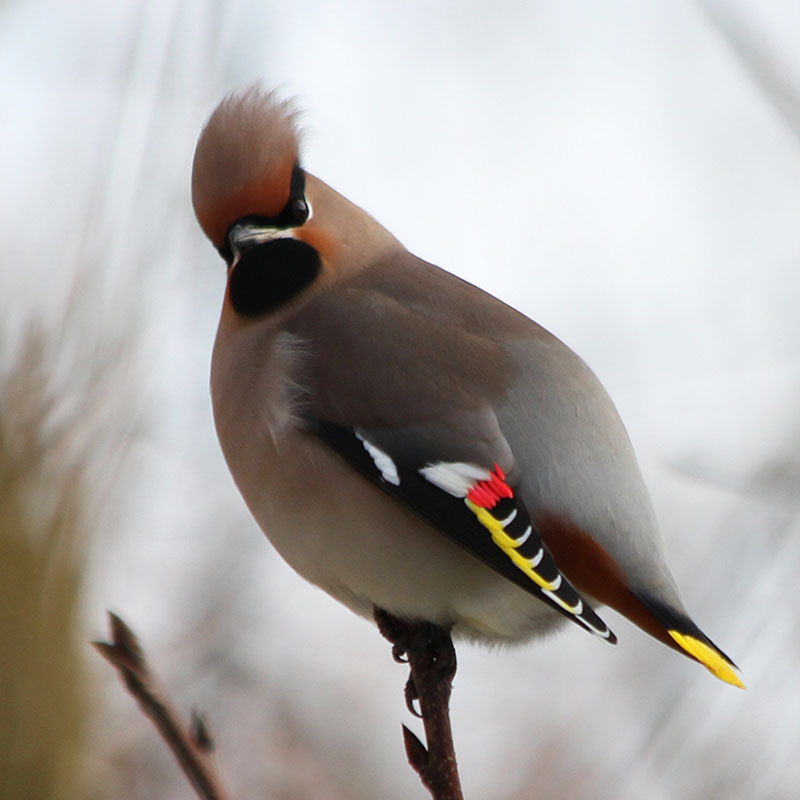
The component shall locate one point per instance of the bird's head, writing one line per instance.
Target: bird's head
(249, 194)
(246, 171)
(281, 231)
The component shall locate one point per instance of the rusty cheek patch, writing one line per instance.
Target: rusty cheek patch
(593, 570)
(321, 239)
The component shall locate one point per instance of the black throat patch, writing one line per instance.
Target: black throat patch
(269, 275)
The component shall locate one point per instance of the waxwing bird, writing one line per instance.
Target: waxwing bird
(406, 441)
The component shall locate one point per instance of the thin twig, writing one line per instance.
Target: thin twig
(191, 744)
(429, 652)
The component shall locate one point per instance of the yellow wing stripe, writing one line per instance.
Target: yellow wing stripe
(708, 657)
(508, 546)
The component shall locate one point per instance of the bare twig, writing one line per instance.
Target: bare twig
(190, 744)
(429, 652)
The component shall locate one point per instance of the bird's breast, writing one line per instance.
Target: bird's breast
(331, 525)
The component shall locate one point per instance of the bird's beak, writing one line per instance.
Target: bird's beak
(245, 235)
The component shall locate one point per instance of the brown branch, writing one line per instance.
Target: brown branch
(192, 744)
(429, 652)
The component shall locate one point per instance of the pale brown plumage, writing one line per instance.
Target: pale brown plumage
(393, 429)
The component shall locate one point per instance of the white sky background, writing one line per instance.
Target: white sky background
(626, 173)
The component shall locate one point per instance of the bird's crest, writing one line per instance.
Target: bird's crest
(244, 160)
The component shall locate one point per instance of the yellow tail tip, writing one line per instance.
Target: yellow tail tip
(715, 663)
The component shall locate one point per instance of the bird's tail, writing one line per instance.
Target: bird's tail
(687, 638)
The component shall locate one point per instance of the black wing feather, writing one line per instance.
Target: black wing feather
(453, 517)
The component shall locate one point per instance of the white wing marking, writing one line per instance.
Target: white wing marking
(456, 477)
(382, 461)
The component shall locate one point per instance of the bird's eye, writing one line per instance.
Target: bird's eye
(299, 210)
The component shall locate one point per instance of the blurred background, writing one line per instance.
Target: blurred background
(626, 173)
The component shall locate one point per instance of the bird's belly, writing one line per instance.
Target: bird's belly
(363, 548)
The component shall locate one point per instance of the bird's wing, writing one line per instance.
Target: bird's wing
(417, 421)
